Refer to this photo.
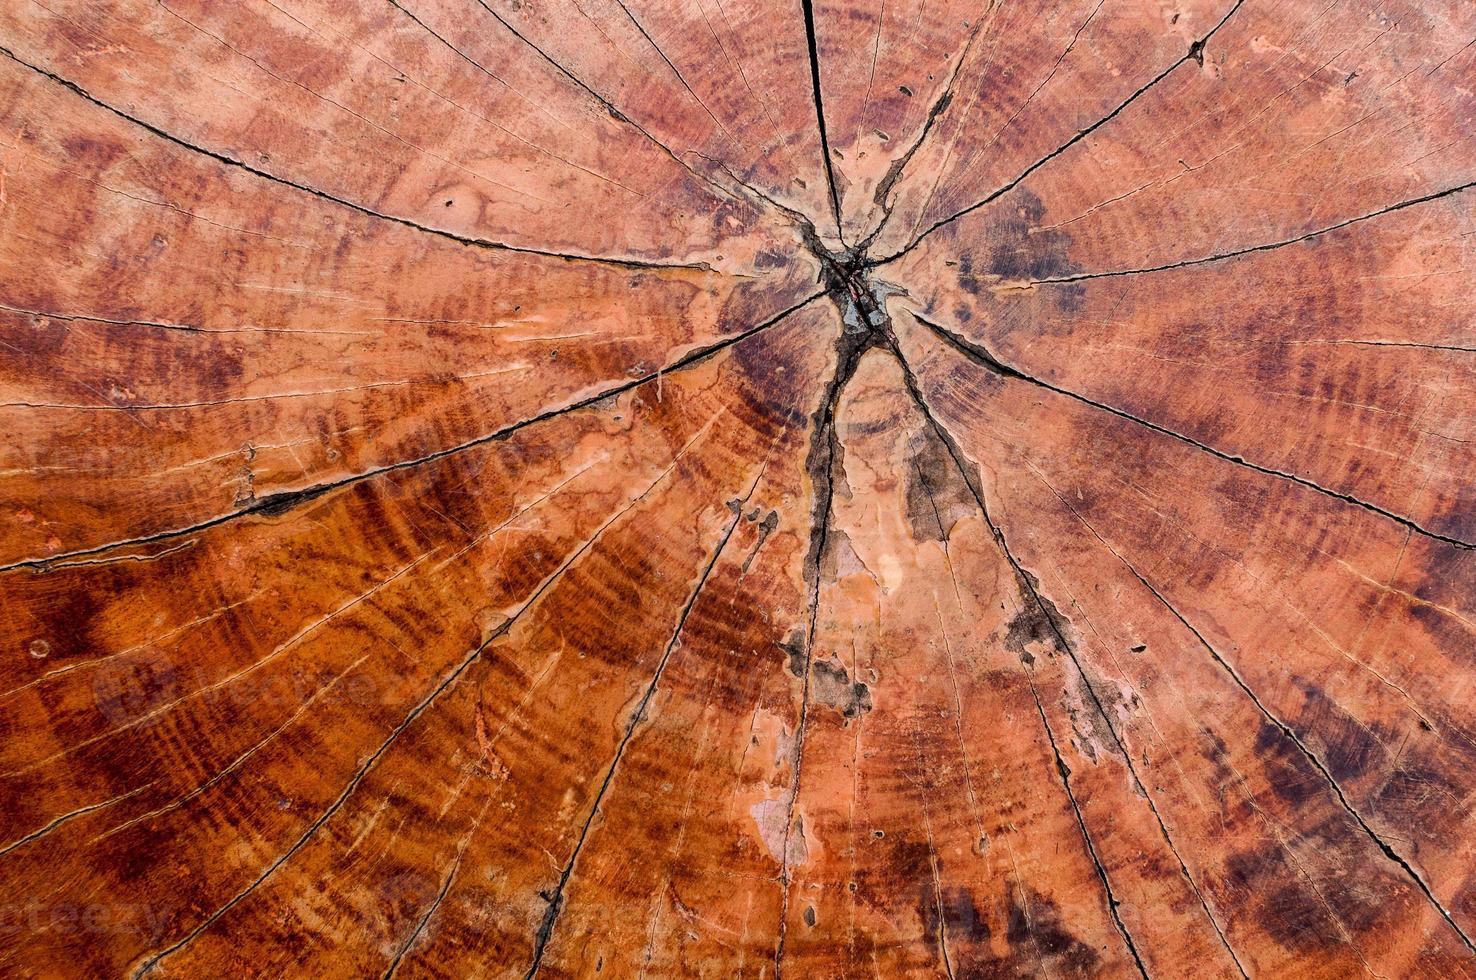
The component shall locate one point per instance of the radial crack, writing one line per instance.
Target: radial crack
(1384, 846)
(280, 503)
(1060, 763)
(446, 682)
(981, 355)
(895, 172)
(1269, 246)
(1195, 53)
(880, 333)
(1449, 348)
(556, 901)
(608, 106)
(1028, 586)
(154, 324)
(821, 461)
(468, 240)
(394, 966)
(808, 6)
(938, 909)
(68, 817)
(1064, 771)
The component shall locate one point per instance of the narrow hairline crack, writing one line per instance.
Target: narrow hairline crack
(176, 327)
(977, 353)
(849, 286)
(676, 71)
(280, 503)
(740, 184)
(556, 902)
(151, 961)
(1384, 846)
(614, 112)
(420, 926)
(1195, 53)
(1029, 587)
(1265, 247)
(1029, 591)
(468, 240)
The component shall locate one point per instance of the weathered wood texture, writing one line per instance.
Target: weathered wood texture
(810, 488)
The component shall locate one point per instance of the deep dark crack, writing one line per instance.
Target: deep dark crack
(844, 276)
(860, 298)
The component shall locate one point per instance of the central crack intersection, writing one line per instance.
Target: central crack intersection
(865, 324)
(862, 302)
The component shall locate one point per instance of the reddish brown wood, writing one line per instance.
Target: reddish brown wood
(795, 488)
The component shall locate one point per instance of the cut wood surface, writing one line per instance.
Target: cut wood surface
(793, 488)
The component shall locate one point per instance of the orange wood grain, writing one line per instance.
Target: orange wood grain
(799, 488)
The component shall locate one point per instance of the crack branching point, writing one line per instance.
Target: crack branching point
(847, 279)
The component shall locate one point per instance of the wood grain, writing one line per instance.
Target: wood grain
(811, 488)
